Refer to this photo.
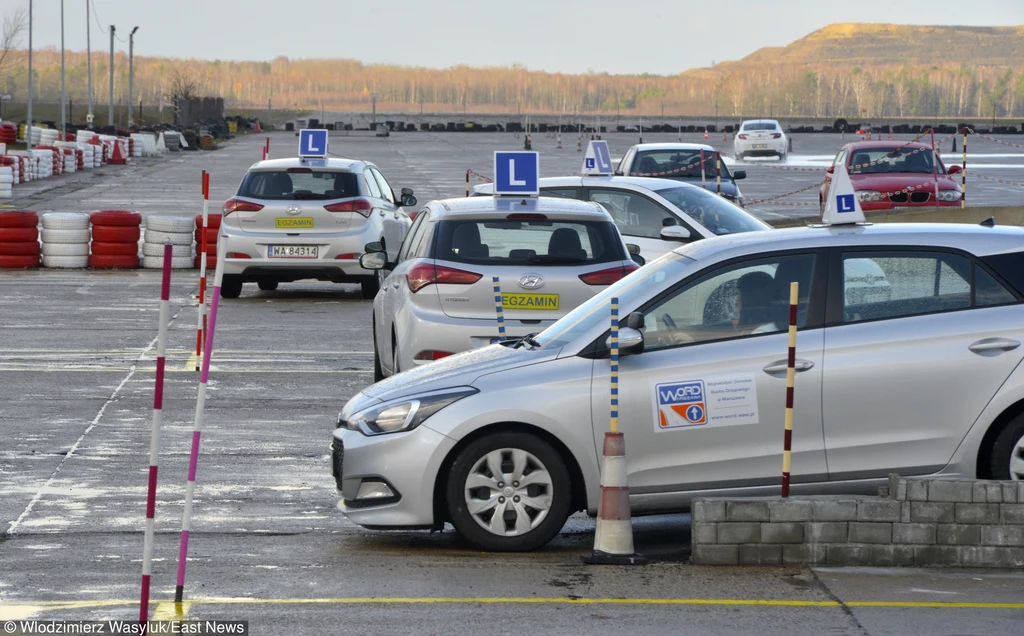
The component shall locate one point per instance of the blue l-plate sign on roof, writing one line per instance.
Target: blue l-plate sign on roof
(312, 142)
(516, 173)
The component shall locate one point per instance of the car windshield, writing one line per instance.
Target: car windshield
(677, 164)
(528, 242)
(631, 291)
(712, 211)
(282, 185)
(893, 160)
(760, 125)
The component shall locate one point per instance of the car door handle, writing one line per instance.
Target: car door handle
(781, 365)
(993, 344)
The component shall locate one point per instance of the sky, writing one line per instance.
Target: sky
(569, 36)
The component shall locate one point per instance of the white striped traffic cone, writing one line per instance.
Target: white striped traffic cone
(613, 541)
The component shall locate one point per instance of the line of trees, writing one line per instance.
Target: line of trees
(736, 89)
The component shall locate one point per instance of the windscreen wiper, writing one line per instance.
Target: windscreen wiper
(529, 339)
(554, 259)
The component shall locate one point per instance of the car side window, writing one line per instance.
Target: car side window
(633, 213)
(371, 184)
(878, 285)
(385, 188)
(742, 299)
(413, 234)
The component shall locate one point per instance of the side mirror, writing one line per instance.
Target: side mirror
(408, 201)
(831, 170)
(633, 249)
(953, 170)
(675, 233)
(739, 174)
(375, 246)
(631, 341)
(373, 260)
(635, 320)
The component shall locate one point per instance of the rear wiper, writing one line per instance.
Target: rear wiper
(554, 259)
(529, 339)
(302, 196)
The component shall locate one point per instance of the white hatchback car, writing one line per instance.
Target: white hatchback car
(294, 219)
(549, 256)
(760, 138)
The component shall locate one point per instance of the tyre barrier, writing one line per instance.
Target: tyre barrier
(19, 240)
(161, 230)
(65, 240)
(212, 232)
(119, 227)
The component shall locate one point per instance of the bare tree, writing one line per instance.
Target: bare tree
(184, 84)
(13, 26)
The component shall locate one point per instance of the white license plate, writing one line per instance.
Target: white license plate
(292, 251)
(758, 146)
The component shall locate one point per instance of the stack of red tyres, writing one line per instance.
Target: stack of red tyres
(19, 240)
(115, 239)
(8, 134)
(212, 229)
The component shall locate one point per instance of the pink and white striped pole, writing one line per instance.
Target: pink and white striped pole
(201, 317)
(154, 443)
(190, 486)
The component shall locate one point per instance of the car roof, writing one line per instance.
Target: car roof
(859, 145)
(975, 239)
(503, 206)
(331, 163)
(673, 146)
(650, 183)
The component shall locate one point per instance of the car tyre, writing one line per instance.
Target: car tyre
(1007, 456)
(231, 286)
(396, 360)
(378, 372)
(515, 455)
(370, 287)
(267, 285)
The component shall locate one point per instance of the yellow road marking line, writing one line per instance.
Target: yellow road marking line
(193, 362)
(556, 600)
(171, 611)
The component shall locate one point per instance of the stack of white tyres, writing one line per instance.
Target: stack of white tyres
(43, 160)
(65, 240)
(160, 230)
(7, 182)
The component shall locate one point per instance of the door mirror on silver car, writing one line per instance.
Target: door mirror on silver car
(739, 174)
(631, 341)
(408, 200)
(373, 260)
(675, 233)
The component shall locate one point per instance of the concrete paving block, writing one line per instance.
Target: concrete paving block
(937, 555)
(804, 554)
(1010, 493)
(917, 490)
(870, 555)
(901, 490)
(704, 510)
(928, 512)
(760, 554)
(883, 491)
(957, 534)
(994, 492)
(1020, 491)
(879, 510)
(977, 513)
(785, 532)
(893, 487)
(826, 532)
(1002, 535)
(1011, 513)
(835, 510)
(949, 490)
(905, 508)
(913, 533)
(793, 510)
(715, 555)
(704, 532)
(979, 494)
(746, 511)
(739, 532)
(991, 557)
(862, 532)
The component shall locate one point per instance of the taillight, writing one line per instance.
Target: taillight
(237, 255)
(425, 274)
(347, 257)
(776, 135)
(742, 136)
(608, 276)
(362, 206)
(430, 355)
(238, 205)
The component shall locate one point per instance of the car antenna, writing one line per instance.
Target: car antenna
(989, 222)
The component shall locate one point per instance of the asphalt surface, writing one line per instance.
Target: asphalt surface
(77, 353)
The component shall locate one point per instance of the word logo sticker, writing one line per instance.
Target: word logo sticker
(681, 404)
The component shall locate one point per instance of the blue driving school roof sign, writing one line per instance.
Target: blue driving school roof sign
(313, 143)
(516, 173)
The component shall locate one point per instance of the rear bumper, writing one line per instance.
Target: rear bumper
(326, 267)
(772, 148)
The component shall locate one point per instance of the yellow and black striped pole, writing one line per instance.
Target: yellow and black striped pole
(615, 366)
(963, 174)
(787, 445)
(467, 183)
(498, 309)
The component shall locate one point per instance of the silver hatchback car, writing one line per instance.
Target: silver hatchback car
(295, 219)
(908, 356)
(549, 256)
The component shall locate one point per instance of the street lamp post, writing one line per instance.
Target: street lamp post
(110, 107)
(28, 126)
(88, 61)
(131, 72)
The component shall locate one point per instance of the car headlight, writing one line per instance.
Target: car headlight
(869, 195)
(405, 413)
(949, 195)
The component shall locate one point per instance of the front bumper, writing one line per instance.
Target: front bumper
(408, 462)
(327, 266)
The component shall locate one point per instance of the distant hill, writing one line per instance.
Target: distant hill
(879, 71)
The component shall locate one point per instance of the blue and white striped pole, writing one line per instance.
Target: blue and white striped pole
(497, 309)
(615, 366)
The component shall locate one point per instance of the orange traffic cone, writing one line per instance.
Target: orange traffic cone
(117, 157)
(724, 136)
(256, 127)
(613, 541)
(705, 132)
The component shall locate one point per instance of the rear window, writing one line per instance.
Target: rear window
(712, 211)
(679, 163)
(281, 185)
(527, 242)
(895, 159)
(760, 125)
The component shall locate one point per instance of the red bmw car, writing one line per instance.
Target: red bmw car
(889, 175)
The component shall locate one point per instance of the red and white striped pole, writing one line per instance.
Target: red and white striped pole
(154, 443)
(186, 520)
(787, 443)
(935, 168)
(703, 180)
(201, 317)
